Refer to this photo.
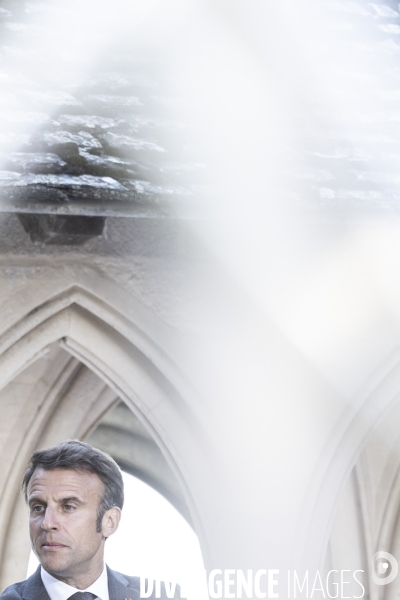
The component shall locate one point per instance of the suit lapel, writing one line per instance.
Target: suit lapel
(119, 588)
(33, 588)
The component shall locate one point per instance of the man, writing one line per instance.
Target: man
(75, 495)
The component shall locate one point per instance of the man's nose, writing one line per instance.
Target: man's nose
(50, 521)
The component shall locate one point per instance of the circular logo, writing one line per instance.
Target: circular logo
(384, 568)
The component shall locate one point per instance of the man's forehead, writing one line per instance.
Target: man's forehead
(62, 480)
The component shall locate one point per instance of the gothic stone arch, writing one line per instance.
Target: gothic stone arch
(134, 366)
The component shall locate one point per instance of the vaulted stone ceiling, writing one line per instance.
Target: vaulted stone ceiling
(101, 418)
(123, 436)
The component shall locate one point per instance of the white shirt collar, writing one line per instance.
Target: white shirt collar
(58, 590)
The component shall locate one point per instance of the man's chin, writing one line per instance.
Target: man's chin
(55, 565)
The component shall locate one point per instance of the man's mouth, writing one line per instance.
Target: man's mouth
(52, 546)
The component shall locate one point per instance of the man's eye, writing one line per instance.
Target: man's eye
(37, 508)
(69, 507)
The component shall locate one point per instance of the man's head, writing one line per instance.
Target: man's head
(75, 496)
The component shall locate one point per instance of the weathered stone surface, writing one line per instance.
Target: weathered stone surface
(36, 162)
(60, 229)
(60, 181)
(105, 122)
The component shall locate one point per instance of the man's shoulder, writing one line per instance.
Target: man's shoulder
(29, 589)
(138, 587)
(13, 591)
(133, 581)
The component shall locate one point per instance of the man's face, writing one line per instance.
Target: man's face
(63, 507)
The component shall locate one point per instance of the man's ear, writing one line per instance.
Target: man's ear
(110, 521)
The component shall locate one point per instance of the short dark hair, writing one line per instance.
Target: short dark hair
(81, 457)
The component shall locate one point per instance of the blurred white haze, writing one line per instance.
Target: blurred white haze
(293, 107)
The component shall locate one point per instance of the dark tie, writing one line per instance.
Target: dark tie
(82, 596)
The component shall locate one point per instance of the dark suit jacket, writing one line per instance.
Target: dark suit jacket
(120, 587)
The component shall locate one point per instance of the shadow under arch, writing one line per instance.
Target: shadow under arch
(123, 356)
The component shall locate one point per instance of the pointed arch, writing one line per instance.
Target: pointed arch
(121, 353)
(371, 405)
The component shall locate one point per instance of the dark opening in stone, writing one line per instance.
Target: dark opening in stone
(62, 229)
